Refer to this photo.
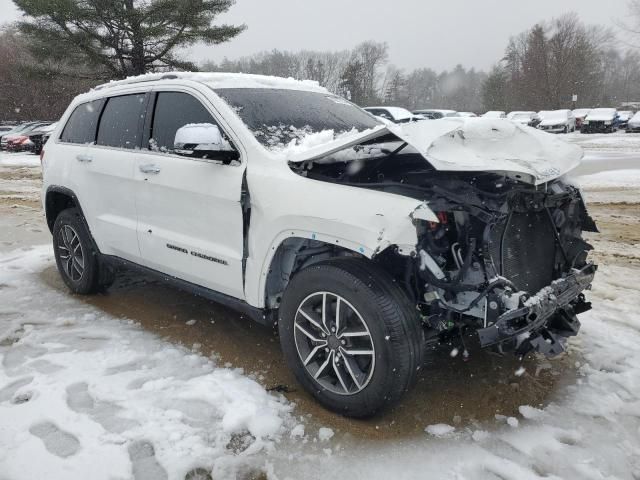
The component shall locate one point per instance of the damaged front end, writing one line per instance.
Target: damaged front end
(507, 260)
(506, 257)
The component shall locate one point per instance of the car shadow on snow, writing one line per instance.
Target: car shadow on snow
(449, 389)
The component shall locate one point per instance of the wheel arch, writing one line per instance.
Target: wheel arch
(58, 199)
(292, 253)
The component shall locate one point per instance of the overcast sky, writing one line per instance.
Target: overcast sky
(420, 33)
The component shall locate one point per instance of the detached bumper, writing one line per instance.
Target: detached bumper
(545, 321)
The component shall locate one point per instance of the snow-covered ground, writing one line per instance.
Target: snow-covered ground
(84, 394)
(92, 396)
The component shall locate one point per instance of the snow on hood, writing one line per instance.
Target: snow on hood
(601, 114)
(554, 117)
(468, 144)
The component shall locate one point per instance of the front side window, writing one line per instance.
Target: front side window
(278, 116)
(82, 124)
(183, 126)
(120, 121)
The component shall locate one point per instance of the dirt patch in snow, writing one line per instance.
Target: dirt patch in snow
(449, 390)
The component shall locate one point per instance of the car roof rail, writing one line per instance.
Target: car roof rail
(138, 79)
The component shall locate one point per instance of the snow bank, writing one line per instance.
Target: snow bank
(19, 160)
(85, 395)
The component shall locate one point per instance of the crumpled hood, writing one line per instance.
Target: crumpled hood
(472, 145)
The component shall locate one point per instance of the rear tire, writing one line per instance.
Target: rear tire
(355, 375)
(79, 262)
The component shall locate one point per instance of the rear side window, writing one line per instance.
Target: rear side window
(82, 124)
(121, 120)
(173, 111)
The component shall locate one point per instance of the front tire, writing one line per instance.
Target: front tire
(350, 336)
(77, 259)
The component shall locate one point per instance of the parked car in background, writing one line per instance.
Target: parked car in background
(466, 114)
(580, 114)
(394, 114)
(633, 125)
(524, 118)
(600, 120)
(623, 118)
(435, 113)
(495, 114)
(557, 121)
(19, 142)
(16, 131)
(6, 129)
(39, 136)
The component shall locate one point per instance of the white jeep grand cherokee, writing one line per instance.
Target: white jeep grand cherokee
(365, 243)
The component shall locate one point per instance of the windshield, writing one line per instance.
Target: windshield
(278, 116)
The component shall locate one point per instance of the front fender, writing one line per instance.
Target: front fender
(363, 221)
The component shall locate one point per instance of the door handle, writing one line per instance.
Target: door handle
(150, 168)
(84, 158)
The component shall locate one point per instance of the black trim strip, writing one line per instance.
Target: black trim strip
(256, 314)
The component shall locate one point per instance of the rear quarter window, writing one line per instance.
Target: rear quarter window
(82, 124)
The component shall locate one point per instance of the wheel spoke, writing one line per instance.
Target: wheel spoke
(324, 312)
(312, 321)
(313, 353)
(308, 334)
(79, 266)
(336, 369)
(345, 351)
(324, 365)
(68, 265)
(354, 334)
(337, 315)
(347, 363)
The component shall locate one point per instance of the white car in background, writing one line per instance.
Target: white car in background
(394, 114)
(523, 117)
(435, 113)
(495, 114)
(623, 118)
(557, 121)
(600, 120)
(466, 114)
(633, 125)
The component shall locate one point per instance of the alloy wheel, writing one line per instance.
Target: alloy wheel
(70, 253)
(334, 343)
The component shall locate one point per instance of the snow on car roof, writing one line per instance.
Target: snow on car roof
(223, 80)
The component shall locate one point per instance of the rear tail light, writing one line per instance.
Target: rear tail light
(41, 156)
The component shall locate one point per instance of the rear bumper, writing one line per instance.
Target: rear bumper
(545, 321)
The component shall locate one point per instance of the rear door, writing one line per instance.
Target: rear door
(190, 222)
(104, 173)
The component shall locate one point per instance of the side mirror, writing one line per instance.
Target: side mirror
(203, 140)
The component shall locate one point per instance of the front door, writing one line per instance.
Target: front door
(189, 214)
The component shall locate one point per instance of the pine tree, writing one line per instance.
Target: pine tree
(125, 37)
